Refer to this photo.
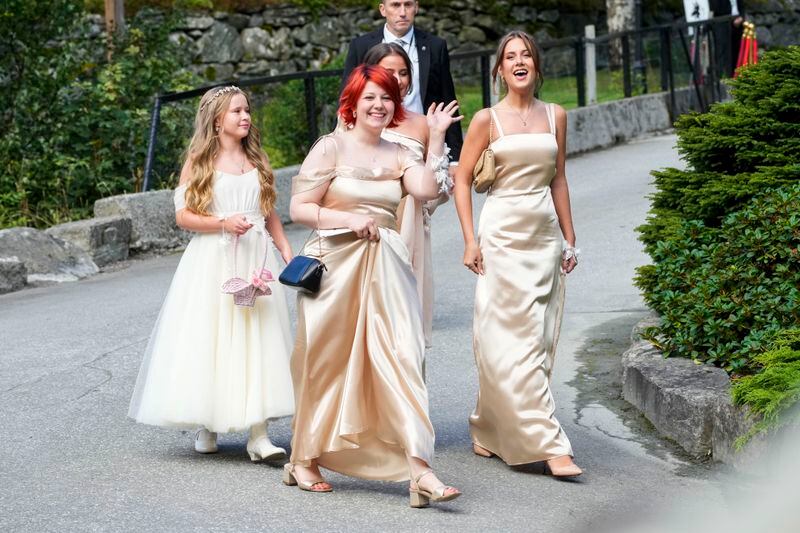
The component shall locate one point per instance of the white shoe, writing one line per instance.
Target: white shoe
(205, 441)
(260, 448)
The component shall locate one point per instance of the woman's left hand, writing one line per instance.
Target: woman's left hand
(568, 265)
(441, 117)
(287, 255)
(569, 258)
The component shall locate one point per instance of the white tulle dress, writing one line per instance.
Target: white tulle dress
(209, 362)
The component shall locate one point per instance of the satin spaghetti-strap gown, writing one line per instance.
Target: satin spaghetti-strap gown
(361, 402)
(518, 303)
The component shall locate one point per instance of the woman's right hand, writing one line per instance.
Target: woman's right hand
(473, 259)
(236, 224)
(364, 227)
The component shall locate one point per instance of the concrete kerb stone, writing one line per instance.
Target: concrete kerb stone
(13, 274)
(46, 258)
(106, 239)
(688, 403)
(152, 216)
(609, 123)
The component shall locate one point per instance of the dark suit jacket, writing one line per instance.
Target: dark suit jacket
(436, 82)
(727, 38)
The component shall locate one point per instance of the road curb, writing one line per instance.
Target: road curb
(688, 403)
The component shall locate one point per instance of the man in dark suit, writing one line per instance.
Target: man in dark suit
(728, 37)
(431, 80)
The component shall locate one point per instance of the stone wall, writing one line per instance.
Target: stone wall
(285, 38)
(777, 22)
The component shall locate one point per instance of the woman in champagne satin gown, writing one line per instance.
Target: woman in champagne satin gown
(521, 262)
(361, 402)
(413, 215)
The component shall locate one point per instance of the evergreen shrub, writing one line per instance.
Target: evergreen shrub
(723, 293)
(773, 393)
(734, 151)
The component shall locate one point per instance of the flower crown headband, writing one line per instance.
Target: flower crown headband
(220, 92)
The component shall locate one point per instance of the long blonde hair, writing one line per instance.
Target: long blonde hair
(205, 146)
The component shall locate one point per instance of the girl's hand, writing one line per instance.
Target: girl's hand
(236, 224)
(286, 254)
(441, 117)
(364, 227)
(473, 259)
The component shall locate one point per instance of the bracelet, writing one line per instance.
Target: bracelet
(570, 252)
(440, 164)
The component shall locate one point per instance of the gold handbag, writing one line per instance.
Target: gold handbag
(483, 174)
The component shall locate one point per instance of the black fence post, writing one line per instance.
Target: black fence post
(151, 146)
(694, 65)
(666, 58)
(666, 55)
(626, 66)
(713, 82)
(486, 85)
(580, 70)
(311, 110)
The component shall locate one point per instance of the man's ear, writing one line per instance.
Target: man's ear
(382, 9)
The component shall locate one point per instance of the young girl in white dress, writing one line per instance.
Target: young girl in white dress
(213, 361)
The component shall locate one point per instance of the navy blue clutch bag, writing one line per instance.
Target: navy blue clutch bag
(303, 273)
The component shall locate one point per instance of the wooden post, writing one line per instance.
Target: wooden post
(115, 23)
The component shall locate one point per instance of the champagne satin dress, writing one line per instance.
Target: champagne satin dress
(519, 302)
(415, 230)
(361, 402)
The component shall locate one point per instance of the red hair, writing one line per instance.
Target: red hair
(355, 86)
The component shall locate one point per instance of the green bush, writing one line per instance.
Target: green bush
(74, 126)
(723, 293)
(734, 151)
(282, 120)
(774, 392)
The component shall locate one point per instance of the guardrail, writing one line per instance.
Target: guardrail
(704, 77)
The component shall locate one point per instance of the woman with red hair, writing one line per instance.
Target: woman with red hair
(361, 402)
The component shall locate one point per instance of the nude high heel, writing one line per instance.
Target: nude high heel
(420, 497)
(290, 479)
(566, 471)
(480, 450)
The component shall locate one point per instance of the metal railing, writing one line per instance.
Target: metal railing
(632, 72)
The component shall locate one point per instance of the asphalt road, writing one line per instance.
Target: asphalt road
(72, 461)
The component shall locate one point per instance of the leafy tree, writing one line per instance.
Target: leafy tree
(74, 124)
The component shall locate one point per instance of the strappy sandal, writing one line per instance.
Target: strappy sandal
(421, 498)
(290, 479)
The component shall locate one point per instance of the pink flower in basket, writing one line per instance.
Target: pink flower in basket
(260, 281)
(245, 294)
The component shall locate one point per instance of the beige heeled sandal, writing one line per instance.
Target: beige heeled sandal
(290, 479)
(567, 471)
(481, 451)
(420, 497)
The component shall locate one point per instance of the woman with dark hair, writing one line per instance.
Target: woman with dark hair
(361, 402)
(525, 246)
(414, 216)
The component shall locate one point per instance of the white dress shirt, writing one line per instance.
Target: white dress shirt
(413, 100)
